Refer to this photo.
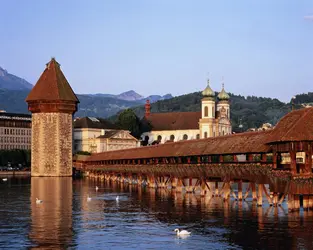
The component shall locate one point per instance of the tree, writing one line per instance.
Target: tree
(128, 120)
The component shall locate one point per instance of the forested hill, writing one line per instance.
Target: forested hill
(251, 111)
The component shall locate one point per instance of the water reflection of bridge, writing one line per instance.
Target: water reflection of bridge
(245, 223)
(213, 165)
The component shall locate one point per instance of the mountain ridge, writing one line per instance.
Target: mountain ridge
(12, 82)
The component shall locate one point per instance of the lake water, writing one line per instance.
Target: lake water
(141, 219)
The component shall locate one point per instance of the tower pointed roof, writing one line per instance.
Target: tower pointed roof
(208, 91)
(223, 96)
(52, 86)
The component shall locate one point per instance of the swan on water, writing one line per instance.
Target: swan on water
(117, 198)
(38, 201)
(88, 198)
(97, 188)
(5, 179)
(182, 232)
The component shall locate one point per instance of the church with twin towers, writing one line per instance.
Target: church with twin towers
(213, 120)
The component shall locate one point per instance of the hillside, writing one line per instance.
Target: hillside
(251, 111)
(14, 101)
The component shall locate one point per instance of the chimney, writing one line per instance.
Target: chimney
(147, 108)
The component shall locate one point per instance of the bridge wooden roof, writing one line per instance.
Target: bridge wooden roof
(295, 126)
(249, 142)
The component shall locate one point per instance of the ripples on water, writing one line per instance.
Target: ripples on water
(141, 219)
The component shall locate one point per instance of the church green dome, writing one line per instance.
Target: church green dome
(223, 96)
(208, 91)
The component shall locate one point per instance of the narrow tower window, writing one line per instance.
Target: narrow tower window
(206, 111)
(205, 134)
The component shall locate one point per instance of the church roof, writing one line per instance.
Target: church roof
(208, 91)
(223, 95)
(174, 120)
(92, 122)
(52, 86)
(295, 126)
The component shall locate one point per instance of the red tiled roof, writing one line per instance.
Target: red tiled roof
(52, 86)
(295, 126)
(174, 120)
(249, 142)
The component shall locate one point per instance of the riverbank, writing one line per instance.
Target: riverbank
(10, 173)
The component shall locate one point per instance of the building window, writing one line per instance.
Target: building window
(185, 137)
(223, 132)
(172, 138)
(198, 137)
(206, 111)
(205, 134)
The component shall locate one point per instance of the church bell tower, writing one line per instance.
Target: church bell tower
(207, 112)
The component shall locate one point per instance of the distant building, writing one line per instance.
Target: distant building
(213, 120)
(15, 131)
(265, 126)
(97, 135)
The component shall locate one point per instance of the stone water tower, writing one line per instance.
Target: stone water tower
(52, 103)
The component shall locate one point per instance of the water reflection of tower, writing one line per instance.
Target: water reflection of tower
(51, 225)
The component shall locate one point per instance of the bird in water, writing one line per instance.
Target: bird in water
(88, 198)
(182, 232)
(38, 201)
(97, 188)
(5, 179)
(117, 198)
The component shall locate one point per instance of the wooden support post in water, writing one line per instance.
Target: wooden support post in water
(216, 189)
(188, 185)
(275, 199)
(253, 188)
(291, 203)
(260, 195)
(310, 201)
(240, 190)
(226, 190)
(179, 186)
(305, 202)
(173, 182)
(296, 202)
(203, 187)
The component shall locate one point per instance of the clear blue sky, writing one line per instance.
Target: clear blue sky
(262, 48)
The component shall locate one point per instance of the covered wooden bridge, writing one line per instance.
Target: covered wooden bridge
(281, 157)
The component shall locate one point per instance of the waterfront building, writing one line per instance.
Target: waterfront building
(52, 103)
(97, 135)
(213, 120)
(15, 131)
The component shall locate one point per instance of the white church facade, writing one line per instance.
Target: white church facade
(213, 120)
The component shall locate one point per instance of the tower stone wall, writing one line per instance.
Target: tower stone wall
(52, 144)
